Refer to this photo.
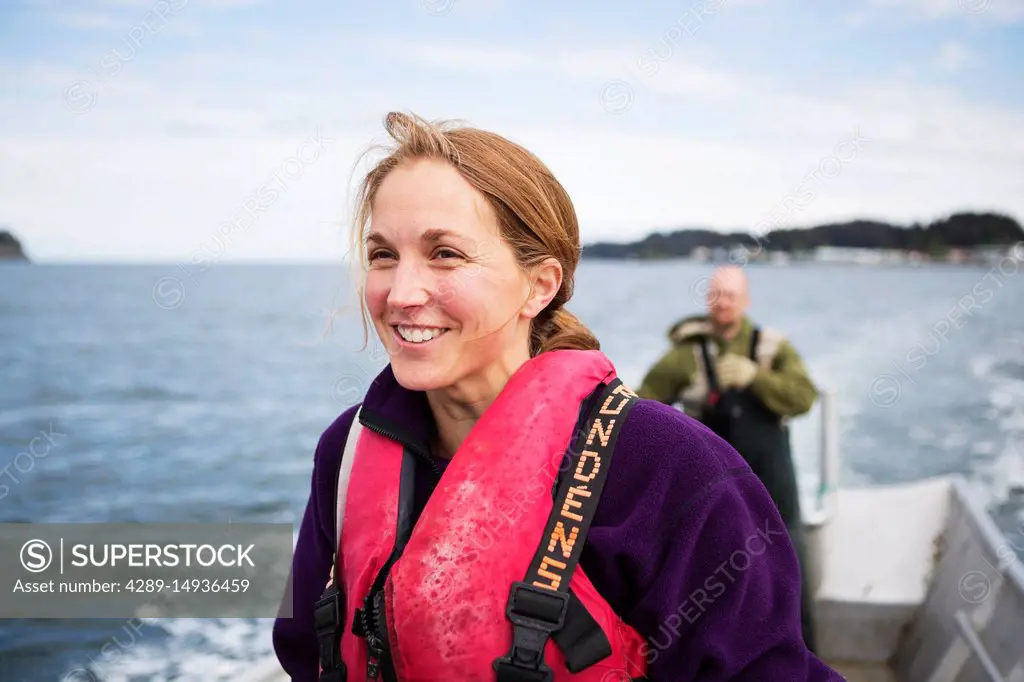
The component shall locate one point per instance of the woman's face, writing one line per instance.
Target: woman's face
(446, 295)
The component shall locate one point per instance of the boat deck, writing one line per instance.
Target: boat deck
(861, 672)
(863, 606)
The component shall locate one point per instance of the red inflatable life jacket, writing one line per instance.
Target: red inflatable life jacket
(486, 586)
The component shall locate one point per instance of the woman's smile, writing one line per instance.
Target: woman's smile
(419, 337)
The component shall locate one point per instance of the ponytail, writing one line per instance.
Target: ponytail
(560, 330)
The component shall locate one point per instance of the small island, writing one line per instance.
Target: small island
(10, 247)
(962, 238)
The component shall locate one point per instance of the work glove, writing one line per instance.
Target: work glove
(735, 371)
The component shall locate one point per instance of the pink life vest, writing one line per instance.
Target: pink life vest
(445, 599)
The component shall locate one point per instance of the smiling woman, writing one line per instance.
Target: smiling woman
(444, 550)
(442, 340)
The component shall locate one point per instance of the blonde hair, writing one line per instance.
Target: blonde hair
(535, 214)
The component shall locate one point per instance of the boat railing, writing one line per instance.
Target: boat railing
(828, 458)
(817, 517)
(970, 627)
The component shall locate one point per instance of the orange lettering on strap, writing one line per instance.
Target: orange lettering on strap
(618, 408)
(571, 515)
(543, 571)
(603, 433)
(596, 466)
(578, 491)
(622, 390)
(558, 537)
(570, 501)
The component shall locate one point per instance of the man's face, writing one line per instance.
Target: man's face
(727, 298)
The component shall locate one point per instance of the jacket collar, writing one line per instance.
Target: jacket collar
(398, 413)
(694, 327)
(401, 414)
(740, 342)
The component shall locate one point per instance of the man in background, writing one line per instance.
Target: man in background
(743, 383)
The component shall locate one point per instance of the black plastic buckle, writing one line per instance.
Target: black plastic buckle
(327, 612)
(327, 622)
(530, 633)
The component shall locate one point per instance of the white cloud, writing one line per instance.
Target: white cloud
(1000, 11)
(231, 4)
(674, 75)
(476, 8)
(88, 20)
(121, 15)
(682, 77)
(163, 160)
(461, 57)
(215, 4)
(142, 197)
(953, 57)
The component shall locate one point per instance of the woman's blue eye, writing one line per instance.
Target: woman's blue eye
(447, 253)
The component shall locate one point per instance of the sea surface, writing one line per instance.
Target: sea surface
(185, 396)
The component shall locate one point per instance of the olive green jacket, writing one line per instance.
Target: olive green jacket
(782, 383)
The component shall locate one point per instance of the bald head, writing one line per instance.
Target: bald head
(728, 297)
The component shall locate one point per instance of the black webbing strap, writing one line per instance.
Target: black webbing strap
(329, 622)
(538, 606)
(581, 639)
(714, 393)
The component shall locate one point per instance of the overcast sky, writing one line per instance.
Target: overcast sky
(136, 130)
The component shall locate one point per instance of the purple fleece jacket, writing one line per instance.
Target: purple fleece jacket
(686, 545)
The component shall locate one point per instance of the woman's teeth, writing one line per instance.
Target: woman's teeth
(420, 334)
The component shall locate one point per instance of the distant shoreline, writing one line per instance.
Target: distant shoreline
(982, 257)
(11, 249)
(961, 239)
(813, 263)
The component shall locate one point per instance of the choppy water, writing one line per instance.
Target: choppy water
(199, 400)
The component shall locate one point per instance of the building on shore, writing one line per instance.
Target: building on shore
(839, 255)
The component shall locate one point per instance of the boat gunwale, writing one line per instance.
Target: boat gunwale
(989, 534)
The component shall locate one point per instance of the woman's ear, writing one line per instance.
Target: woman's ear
(545, 281)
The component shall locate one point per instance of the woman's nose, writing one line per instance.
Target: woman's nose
(410, 286)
